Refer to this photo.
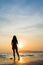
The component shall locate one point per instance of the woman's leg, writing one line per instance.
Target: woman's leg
(14, 53)
(17, 53)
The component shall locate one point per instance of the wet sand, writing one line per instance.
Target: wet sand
(23, 61)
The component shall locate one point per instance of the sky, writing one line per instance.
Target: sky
(23, 18)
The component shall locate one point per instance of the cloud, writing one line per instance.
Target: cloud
(21, 14)
(37, 26)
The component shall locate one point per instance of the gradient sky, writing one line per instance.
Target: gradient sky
(23, 18)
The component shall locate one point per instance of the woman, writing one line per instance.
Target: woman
(14, 47)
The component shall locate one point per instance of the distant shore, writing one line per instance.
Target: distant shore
(31, 51)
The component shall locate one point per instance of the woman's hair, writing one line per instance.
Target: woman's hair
(14, 37)
(14, 40)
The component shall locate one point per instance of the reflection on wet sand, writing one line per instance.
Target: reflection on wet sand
(23, 61)
(29, 61)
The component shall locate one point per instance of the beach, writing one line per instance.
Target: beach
(24, 60)
(21, 32)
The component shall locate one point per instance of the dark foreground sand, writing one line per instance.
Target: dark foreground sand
(24, 61)
(38, 62)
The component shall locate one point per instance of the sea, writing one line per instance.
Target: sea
(22, 54)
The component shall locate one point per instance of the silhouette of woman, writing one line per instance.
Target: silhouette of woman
(14, 47)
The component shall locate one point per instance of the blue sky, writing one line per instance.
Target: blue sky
(21, 17)
(21, 13)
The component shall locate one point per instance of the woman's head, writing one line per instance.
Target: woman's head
(14, 37)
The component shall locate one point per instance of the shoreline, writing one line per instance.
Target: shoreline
(23, 61)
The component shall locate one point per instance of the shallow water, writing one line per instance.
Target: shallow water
(5, 58)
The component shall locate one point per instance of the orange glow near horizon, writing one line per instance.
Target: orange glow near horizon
(24, 43)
